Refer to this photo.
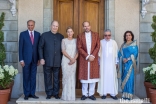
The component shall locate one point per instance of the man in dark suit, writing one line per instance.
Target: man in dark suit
(50, 57)
(28, 57)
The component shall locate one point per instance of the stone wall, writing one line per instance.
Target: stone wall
(41, 12)
(114, 16)
(144, 45)
(48, 14)
(10, 34)
(119, 20)
(29, 10)
(110, 16)
(126, 18)
(38, 11)
(13, 26)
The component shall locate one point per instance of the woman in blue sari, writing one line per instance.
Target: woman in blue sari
(128, 55)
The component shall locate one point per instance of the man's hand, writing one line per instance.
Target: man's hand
(38, 63)
(22, 63)
(42, 62)
(91, 58)
(125, 60)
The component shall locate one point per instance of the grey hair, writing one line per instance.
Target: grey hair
(54, 21)
(30, 21)
(107, 30)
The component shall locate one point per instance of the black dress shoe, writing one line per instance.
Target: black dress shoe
(48, 97)
(103, 97)
(26, 98)
(92, 97)
(34, 96)
(83, 97)
(56, 97)
(114, 97)
(30, 96)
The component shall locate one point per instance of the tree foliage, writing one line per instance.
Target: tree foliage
(2, 48)
(152, 51)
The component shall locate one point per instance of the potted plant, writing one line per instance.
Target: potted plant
(152, 53)
(7, 74)
(152, 90)
(148, 78)
(147, 82)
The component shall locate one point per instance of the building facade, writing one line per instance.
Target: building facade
(117, 15)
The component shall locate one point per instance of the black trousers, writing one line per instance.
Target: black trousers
(51, 80)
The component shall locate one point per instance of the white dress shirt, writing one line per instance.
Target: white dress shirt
(30, 33)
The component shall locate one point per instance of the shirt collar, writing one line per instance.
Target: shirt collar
(88, 32)
(31, 31)
(108, 40)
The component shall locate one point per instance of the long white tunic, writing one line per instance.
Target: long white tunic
(108, 83)
(88, 43)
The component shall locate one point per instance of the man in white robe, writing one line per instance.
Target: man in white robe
(108, 59)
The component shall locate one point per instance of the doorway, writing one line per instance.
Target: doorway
(73, 13)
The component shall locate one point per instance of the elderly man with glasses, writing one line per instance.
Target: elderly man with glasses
(108, 57)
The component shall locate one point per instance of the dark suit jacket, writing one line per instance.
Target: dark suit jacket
(50, 49)
(27, 51)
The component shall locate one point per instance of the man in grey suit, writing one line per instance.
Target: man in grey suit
(50, 57)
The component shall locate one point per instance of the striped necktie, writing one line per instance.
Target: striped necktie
(31, 37)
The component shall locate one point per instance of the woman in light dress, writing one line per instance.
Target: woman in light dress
(70, 54)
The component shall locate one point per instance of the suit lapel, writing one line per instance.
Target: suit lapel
(35, 37)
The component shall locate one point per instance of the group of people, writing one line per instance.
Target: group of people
(99, 61)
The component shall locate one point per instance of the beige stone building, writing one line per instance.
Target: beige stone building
(117, 15)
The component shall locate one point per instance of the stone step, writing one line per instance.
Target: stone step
(42, 100)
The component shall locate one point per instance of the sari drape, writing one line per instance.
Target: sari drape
(128, 69)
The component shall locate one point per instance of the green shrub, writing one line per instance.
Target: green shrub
(2, 48)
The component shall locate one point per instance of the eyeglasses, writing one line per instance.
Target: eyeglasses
(107, 35)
